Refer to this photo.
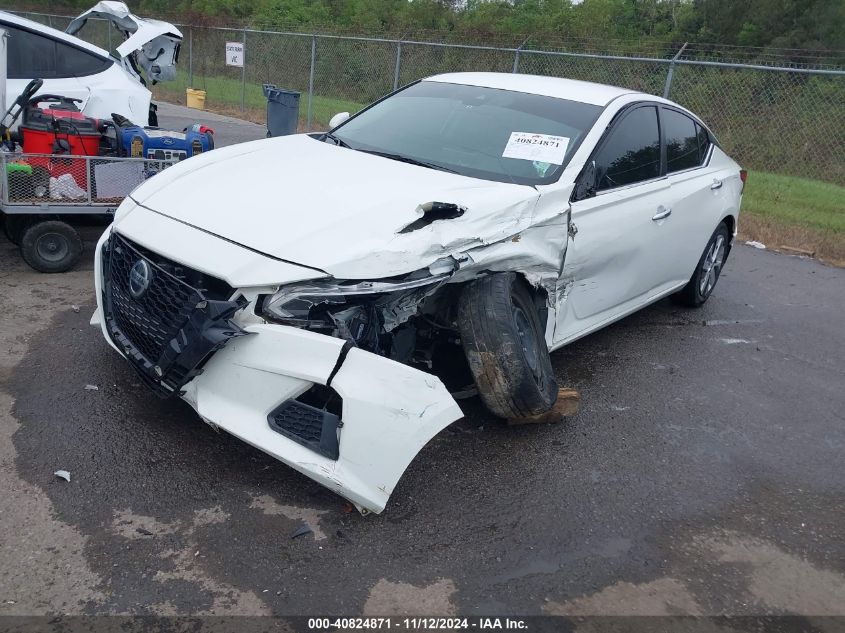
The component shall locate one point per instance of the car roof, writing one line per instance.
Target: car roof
(15, 20)
(571, 89)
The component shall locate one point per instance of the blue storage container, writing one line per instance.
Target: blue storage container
(157, 144)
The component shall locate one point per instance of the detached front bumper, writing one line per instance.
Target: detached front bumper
(389, 410)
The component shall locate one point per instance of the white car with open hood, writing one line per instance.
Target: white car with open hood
(101, 83)
(323, 296)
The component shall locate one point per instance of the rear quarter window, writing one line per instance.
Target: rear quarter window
(74, 62)
(704, 142)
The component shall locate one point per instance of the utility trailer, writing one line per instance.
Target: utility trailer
(44, 197)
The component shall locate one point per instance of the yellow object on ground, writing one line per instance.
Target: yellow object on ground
(195, 98)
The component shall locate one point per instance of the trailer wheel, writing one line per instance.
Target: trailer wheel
(51, 246)
(505, 346)
(14, 227)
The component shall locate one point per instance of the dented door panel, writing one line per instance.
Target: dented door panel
(614, 261)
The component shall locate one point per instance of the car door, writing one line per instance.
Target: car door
(696, 190)
(617, 256)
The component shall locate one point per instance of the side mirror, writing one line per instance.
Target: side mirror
(337, 119)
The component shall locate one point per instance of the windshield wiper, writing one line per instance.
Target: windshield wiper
(408, 159)
(336, 140)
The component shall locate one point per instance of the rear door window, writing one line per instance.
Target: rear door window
(682, 142)
(31, 55)
(631, 153)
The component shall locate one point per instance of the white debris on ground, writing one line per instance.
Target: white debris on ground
(756, 244)
(733, 341)
(63, 474)
(91, 388)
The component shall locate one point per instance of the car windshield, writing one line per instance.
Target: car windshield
(475, 131)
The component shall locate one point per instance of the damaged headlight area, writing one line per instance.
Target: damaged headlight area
(371, 314)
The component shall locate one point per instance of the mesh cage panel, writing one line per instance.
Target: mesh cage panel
(36, 179)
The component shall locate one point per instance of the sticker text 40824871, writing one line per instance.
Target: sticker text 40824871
(542, 148)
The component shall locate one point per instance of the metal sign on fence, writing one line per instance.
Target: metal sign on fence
(235, 54)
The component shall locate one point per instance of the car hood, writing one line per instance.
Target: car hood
(342, 211)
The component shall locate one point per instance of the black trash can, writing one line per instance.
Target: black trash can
(282, 110)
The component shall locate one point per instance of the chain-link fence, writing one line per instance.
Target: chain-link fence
(787, 118)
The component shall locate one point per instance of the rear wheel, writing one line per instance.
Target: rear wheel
(708, 270)
(51, 246)
(505, 346)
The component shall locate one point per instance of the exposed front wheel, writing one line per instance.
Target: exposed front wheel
(505, 346)
(708, 270)
(51, 246)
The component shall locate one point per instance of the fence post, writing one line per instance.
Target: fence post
(311, 83)
(398, 62)
(243, 76)
(671, 72)
(516, 55)
(191, 57)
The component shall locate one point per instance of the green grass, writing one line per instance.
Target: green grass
(796, 201)
(226, 92)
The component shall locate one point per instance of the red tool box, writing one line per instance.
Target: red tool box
(60, 130)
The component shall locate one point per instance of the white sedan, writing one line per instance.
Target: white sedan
(323, 296)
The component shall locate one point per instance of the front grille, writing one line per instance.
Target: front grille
(168, 330)
(153, 319)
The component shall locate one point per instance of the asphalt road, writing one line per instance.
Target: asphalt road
(703, 475)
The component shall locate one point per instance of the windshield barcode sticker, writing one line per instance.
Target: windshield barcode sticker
(543, 148)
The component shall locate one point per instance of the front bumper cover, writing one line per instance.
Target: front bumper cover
(389, 412)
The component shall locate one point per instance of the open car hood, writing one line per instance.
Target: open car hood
(351, 214)
(155, 41)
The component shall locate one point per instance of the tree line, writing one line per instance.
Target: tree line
(782, 24)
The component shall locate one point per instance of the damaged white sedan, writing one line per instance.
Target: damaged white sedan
(323, 296)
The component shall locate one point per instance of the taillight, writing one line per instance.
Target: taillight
(743, 176)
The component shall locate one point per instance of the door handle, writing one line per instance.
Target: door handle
(716, 183)
(662, 212)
